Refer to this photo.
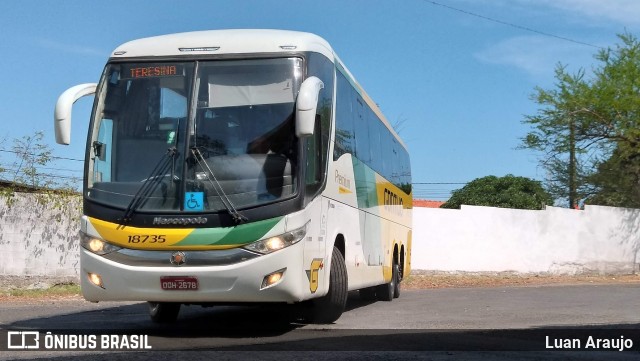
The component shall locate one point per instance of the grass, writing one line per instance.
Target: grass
(57, 290)
(428, 280)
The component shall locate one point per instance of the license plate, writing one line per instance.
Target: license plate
(179, 283)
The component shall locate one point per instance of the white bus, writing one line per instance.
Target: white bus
(238, 166)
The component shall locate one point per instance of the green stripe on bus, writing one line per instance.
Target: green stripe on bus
(229, 236)
(365, 184)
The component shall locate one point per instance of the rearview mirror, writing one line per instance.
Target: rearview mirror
(62, 112)
(306, 106)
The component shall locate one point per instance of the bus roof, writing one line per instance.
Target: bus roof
(232, 41)
(239, 41)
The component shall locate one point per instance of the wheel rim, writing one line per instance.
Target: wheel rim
(153, 307)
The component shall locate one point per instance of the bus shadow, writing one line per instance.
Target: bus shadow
(354, 301)
(193, 321)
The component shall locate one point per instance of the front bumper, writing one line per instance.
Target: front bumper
(238, 282)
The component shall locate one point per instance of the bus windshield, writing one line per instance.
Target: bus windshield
(194, 136)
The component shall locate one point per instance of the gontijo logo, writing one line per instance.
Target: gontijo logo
(391, 200)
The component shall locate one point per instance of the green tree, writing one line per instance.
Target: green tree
(31, 153)
(566, 155)
(589, 129)
(616, 182)
(505, 192)
(26, 173)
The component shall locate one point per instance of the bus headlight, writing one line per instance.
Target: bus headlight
(97, 245)
(276, 243)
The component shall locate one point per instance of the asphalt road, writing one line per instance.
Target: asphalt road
(425, 324)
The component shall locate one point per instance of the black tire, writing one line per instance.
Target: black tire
(163, 312)
(396, 289)
(329, 308)
(385, 292)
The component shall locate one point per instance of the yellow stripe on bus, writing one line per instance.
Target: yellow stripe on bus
(141, 238)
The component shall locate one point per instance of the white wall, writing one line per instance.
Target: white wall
(39, 235)
(556, 240)
(42, 239)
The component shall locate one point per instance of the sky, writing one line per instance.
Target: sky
(456, 75)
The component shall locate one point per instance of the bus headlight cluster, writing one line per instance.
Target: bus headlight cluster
(276, 243)
(97, 245)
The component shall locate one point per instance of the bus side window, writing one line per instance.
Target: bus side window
(314, 156)
(344, 138)
(318, 145)
(361, 128)
(102, 152)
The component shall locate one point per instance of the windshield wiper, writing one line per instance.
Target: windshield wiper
(149, 185)
(237, 217)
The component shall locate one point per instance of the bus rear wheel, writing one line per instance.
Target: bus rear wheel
(329, 308)
(387, 291)
(163, 312)
(396, 290)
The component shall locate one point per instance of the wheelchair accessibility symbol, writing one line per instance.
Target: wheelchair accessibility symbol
(194, 201)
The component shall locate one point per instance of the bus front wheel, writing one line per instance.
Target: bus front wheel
(163, 312)
(329, 308)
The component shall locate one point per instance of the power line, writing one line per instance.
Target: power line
(11, 166)
(440, 191)
(36, 154)
(63, 169)
(521, 27)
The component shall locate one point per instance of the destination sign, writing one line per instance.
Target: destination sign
(152, 71)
